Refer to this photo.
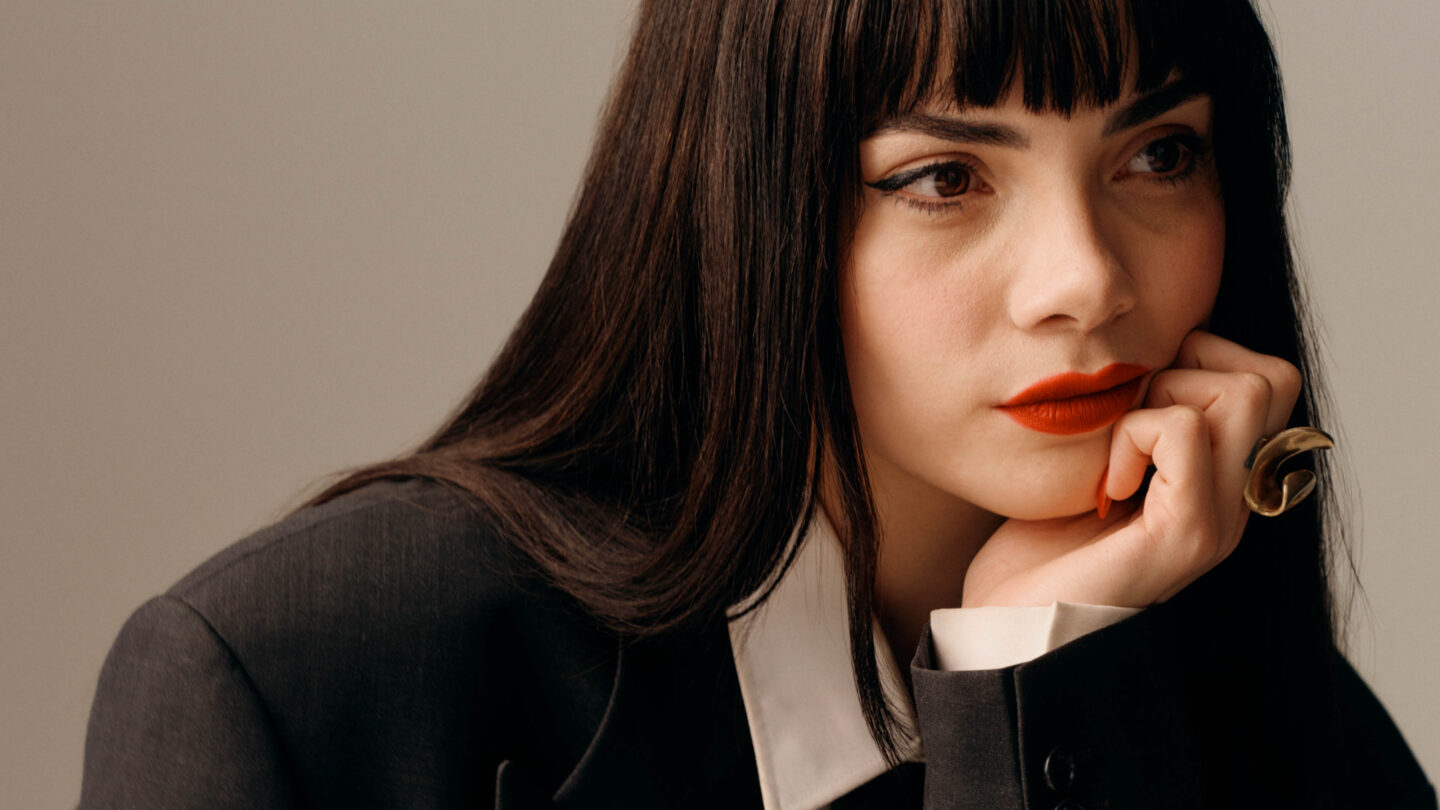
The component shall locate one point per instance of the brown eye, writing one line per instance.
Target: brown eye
(950, 180)
(938, 184)
(1159, 157)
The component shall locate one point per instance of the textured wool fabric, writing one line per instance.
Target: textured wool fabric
(389, 649)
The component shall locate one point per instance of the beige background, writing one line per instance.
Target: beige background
(245, 244)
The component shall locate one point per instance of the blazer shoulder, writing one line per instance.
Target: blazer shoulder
(1382, 770)
(416, 541)
(406, 582)
(391, 642)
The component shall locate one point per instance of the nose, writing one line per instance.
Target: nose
(1070, 274)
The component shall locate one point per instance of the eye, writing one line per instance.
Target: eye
(946, 180)
(1170, 158)
(932, 187)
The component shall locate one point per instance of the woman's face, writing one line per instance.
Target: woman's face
(997, 248)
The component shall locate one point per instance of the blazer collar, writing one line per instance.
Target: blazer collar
(684, 715)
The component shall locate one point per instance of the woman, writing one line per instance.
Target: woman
(865, 330)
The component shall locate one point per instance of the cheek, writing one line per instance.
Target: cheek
(1209, 264)
(1189, 266)
(912, 322)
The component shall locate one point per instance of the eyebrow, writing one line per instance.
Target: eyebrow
(956, 129)
(1153, 104)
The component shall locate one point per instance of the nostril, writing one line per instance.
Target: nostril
(1074, 286)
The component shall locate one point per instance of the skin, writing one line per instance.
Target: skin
(1068, 247)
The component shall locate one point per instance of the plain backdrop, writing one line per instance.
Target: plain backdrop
(244, 245)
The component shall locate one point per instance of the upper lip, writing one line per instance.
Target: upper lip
(1074, 384)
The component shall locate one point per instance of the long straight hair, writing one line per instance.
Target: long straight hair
(654, 430)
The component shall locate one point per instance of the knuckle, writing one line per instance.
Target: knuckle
(1187, 419)
(1286, 377)
(1253, 389)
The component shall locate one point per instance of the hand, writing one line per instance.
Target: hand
(1199, 421)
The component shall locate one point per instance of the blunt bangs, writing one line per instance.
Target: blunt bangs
(1064, 53)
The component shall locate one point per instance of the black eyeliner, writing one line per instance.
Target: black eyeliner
(899, 180)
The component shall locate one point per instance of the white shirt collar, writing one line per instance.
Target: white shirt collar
(792, 655)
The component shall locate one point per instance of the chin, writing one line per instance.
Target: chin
(1045, 497)
(1047, 509)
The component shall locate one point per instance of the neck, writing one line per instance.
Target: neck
(927, 540)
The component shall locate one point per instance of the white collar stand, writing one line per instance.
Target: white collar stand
(792, 655)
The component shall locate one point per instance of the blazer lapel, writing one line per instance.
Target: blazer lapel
(673, 734)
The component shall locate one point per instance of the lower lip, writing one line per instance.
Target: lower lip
(1067, 417)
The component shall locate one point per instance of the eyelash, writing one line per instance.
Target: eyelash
(1196, 150)
(900, 180)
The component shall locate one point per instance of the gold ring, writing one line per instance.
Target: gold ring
(1262, 494)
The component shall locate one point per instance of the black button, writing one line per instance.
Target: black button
(1069, 804)
(1060, 772)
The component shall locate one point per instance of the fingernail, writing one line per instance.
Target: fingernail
(1102, 502)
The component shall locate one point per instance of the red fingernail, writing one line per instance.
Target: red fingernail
(1102, 502)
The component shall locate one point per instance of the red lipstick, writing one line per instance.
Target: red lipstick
(1072, 403)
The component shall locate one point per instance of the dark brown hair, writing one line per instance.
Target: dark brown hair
(652, 433)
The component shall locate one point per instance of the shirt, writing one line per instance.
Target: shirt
(792, 656)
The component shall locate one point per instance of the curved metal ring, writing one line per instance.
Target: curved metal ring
(1262, 494)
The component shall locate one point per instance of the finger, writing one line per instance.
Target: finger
(1175, 440)
(1210, 352)
(1236, 406)
(1179, 508)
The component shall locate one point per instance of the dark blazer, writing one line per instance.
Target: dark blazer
(388, 649)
